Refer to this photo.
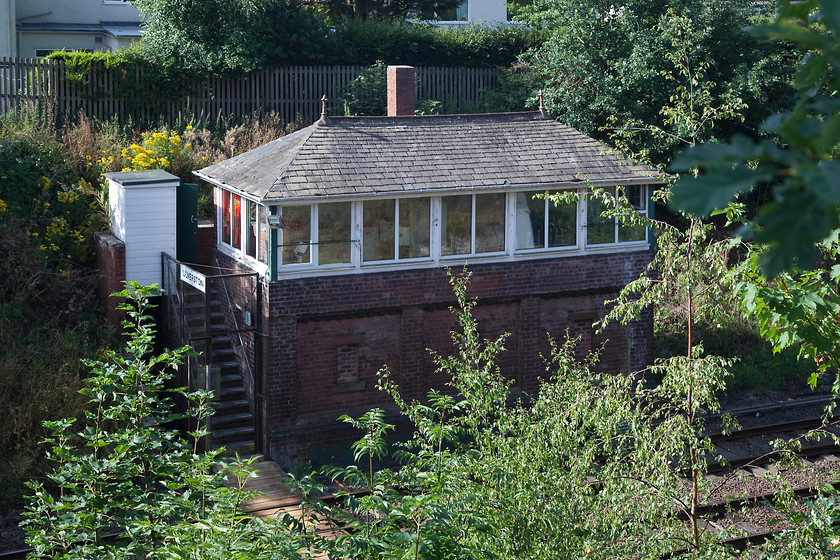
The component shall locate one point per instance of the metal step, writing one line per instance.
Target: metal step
(231, 393)
(233, 406)
(233, 420)
(231, 379)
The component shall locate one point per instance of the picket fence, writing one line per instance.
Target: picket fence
(293, 92)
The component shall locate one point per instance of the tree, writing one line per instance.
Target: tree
(796, 160)
(230, 35)
(591, 467)
(609, 63)
(791, 279)
(123, 470)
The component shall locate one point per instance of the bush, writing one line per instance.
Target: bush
(367, 94)
(398, 42)
(121, 468)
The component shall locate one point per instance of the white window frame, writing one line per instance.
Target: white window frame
(580, 205)
(360, 224)
(241, 252)
(510, 252)
(472, 253)
(643, 211)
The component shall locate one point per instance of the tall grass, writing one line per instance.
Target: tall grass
(48, 324)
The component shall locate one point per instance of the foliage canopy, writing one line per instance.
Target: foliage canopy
(608, 64)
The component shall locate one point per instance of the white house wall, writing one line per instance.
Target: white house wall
(75, 11)
(116, 208)
(7, 27)
(23, 42)
(149, 230)
(487, 11)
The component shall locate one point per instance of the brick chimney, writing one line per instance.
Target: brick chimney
(401, 96)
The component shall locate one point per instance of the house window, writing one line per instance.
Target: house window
(414, 228)
(472, 224)
(379, 228)
(295, 234)
(256, 232)
(542, 224)
(334, 228)
(396, 229)
(606, 229)
(330, 242)
(457, 13)
(231, 209)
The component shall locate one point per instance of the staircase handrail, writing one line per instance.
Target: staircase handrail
(236, 325)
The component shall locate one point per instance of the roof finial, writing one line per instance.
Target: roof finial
(542, 105)
(323, 110)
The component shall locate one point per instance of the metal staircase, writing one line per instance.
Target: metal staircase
(202, 312)
(232, 426)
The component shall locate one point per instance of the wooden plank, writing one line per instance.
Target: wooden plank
(293, 92)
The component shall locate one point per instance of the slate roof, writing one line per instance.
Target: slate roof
(369, 156)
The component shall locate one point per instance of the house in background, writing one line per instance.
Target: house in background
(35, 28)
(351, 224)
(477, 12)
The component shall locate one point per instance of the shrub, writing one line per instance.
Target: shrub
(121, 468)
(367, 94)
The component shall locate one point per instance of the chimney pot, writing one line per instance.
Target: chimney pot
(401, 94)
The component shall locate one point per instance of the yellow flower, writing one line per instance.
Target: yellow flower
(189, 127)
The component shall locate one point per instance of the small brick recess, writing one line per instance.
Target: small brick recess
(324, 338)
(110, 262)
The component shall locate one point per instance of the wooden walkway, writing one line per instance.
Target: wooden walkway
(276, 498)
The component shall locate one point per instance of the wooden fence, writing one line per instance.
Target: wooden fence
(293, 92)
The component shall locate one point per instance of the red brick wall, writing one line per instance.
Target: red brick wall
(110, 262)
(392, 317)
(401, 94)
(206, 242)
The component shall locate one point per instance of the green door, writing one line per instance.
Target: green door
(187, 218)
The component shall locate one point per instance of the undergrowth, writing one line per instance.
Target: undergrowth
(49, 322)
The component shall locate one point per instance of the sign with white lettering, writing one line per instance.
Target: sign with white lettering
(192, 277)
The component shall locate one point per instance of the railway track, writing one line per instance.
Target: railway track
(743, 485)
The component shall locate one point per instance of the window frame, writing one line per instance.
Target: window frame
(579, 209)
(642, 209)
(396, 258)
(472, 253)
(273, 244)
(244, 224)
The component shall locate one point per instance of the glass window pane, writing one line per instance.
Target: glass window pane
(530, 221)
(637, 197)
(236, 222)
(599, 230)
(225, 212)
(252, 229)
(631, 233)
(334, 232)
(378, 226)
(295, 234)
(415, 228)
(456, 225)
(562, 224)
(489, 223)
(262, 252)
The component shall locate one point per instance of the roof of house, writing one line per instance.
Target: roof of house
(117, 29)
(369, 156)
